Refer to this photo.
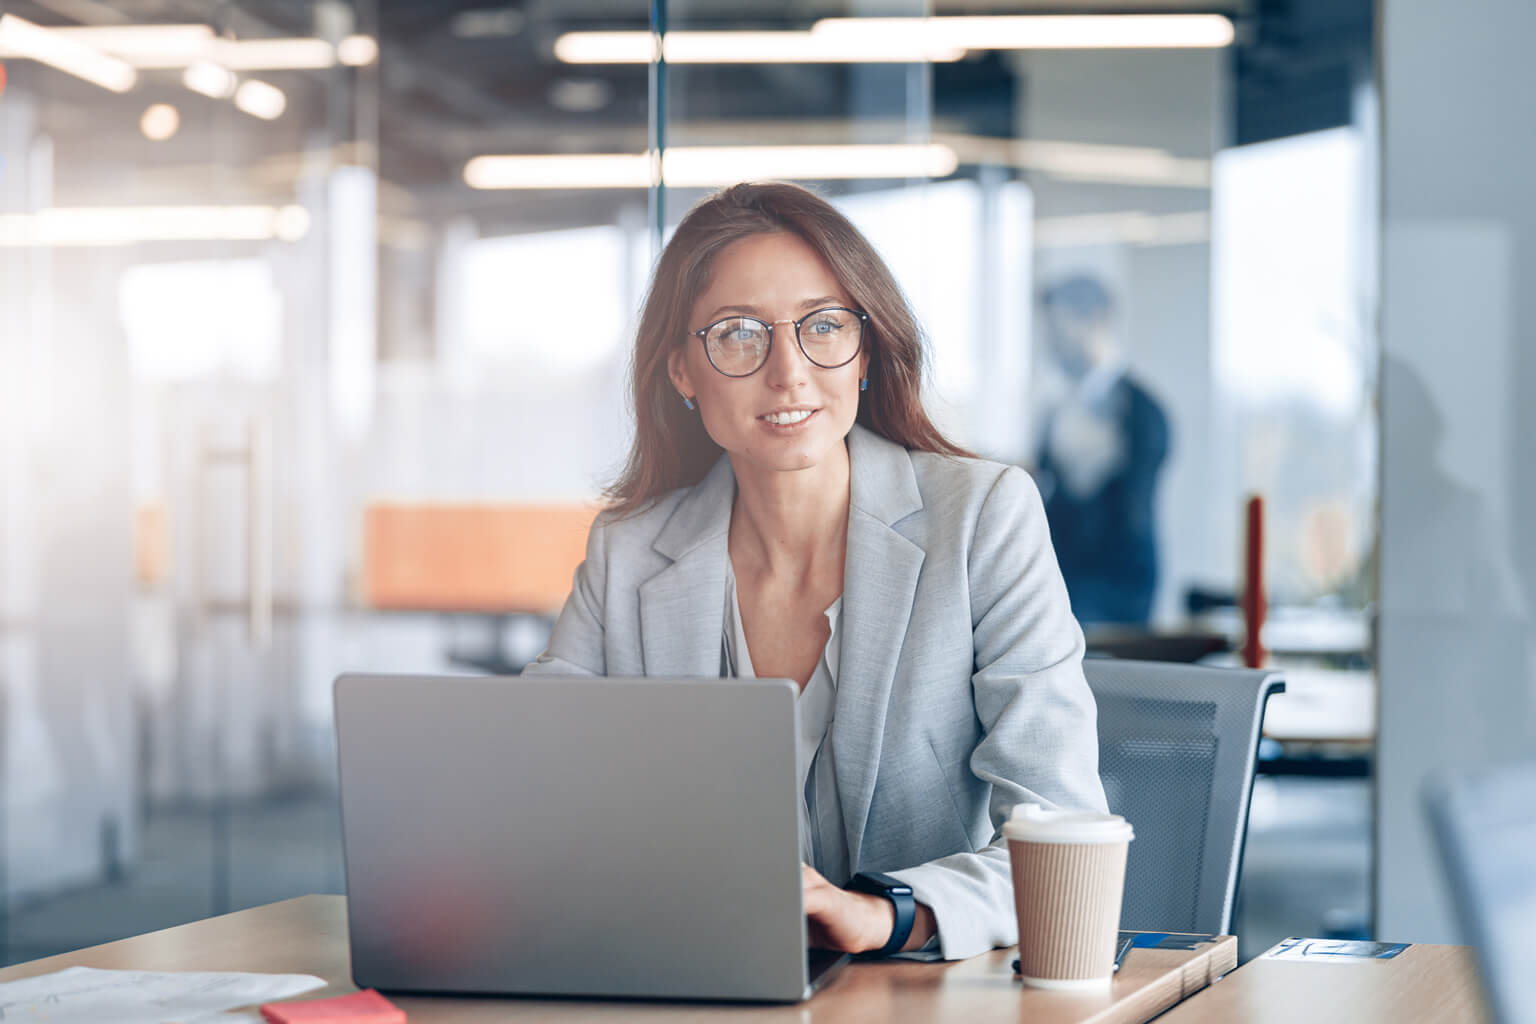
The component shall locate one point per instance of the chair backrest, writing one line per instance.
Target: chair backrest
(1485, 826)
(1177, 745)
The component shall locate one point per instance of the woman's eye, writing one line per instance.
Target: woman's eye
(737, 336)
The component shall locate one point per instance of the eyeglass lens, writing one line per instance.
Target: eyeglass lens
(739, 345)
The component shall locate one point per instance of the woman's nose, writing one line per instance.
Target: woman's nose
(787, 365)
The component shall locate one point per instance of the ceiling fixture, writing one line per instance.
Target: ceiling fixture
(357, 51)
(210, 79)
(144, 46)
(159, 47)
(159, 122)
(708, 166)
(1098, 163)
(746, 48)
(128, 225)
(21, 38)
(260, 99)
(1132, 227)
(588, 170)
(901, 40)
(1041, 31)
(304, 54)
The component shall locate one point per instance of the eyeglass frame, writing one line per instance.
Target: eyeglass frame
(799, 342)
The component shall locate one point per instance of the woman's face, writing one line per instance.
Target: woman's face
(776, 278)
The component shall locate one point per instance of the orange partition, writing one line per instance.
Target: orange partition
(472, 557)
(151, 544)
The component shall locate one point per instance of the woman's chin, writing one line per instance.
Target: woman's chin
(788, 455)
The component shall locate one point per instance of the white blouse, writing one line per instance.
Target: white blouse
(822, 842)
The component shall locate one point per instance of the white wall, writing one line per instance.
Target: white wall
(1458, 561)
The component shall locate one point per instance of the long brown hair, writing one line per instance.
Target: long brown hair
(671, 448)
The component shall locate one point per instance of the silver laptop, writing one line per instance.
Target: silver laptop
(574, 837)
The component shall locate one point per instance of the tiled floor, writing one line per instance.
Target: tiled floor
(1306, 870)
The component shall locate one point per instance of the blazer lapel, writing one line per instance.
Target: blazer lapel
(682, 607)
(879, 584)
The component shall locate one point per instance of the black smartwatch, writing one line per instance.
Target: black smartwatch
(900, 895)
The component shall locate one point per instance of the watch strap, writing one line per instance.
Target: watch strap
(905, 904)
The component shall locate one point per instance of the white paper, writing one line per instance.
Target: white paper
(86, 995)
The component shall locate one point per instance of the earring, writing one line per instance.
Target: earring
(863, 383)
(688, 402)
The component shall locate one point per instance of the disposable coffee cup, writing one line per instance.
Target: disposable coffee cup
(1068, 878)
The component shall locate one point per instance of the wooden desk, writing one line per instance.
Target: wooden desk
(1420, 985)
(308, 935)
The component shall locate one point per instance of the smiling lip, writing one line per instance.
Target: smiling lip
(803, 413)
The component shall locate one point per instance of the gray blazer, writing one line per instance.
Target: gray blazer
(960, 691)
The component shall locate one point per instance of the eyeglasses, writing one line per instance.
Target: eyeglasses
(738, 346)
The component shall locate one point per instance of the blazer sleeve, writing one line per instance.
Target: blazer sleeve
(576, 646)
(1040, 739)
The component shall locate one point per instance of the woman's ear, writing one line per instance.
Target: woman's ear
(677, 371)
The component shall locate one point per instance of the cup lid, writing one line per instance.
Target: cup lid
(1037, 824)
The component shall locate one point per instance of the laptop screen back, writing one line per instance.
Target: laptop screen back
(595, 837)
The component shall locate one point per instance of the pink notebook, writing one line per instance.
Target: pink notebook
(366, 1007)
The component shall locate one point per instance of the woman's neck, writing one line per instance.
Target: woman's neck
(791, 524)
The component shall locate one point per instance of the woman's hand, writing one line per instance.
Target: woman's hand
(853, 922)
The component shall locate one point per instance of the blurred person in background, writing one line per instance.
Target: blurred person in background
(789, 511)
(1102, 448)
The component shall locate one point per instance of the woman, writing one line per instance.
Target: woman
(789, 511)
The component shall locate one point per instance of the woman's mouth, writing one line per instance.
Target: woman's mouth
(787, 417)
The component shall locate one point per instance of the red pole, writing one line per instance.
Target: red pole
(1253, 584)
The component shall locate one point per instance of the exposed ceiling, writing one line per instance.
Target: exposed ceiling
(456, 78)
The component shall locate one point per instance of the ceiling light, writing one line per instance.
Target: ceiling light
(1127, 165)
(127, 225)
(260, 99)
(291, 223)
(209, 79)
(900, 40)
(605, 47)
(145, 46)
(709, 166)
(1038, 32)
(1094, 162)
(1132, 227)
(160, 122)
(575, 171)
(21, 38)
(274, 54)
(357, 51)
(178, 46)
(747, 48)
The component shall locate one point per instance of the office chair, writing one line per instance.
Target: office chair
(1177, 745)
(1485, 827)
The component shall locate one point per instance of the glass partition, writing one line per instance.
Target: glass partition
(317, 320)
